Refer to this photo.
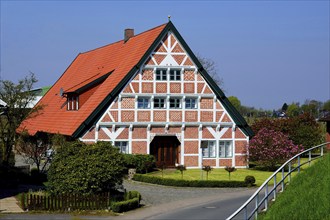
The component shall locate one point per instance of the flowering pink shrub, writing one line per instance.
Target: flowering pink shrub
(270, 148)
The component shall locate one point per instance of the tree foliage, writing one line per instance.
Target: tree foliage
(302, 129)
(211, 68)
(18, 97)
(270, 148)
(85, 169)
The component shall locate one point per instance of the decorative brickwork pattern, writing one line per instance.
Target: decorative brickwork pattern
(191, 132)
(239, 134)
(189, 88)
(191, 161)
(114, 115)
(90, 134)
(147, 87)
(226, 118)
(218, 115)
(206, 116)
(179, 58)
(207, 134)
(240, 147)
(157, 130)
(137, 77)
(200, 87)
(173, 40)
(174, 130)
(123, 134)
(218, 106)
(135, 86)
(127, 89)
(103, 135)
(189, 75)
(191, 116)
(139, 147)
(149, 62)
(225, 162)
(175, 87)
(148, 74)
(160, 48)
(240, 160)
(128, 103)
(188, 62)
(207, 90)
(165, 40)
(191, 147)
(177, 49)
(175, 115)
(199, 77)
(159, 58)
(209, 162)
(143, 116)
(115, 105)
(159, 115)
(161, 88)
(206, 103)
(227, 134)
(139, 133)
(106, 118)
(127, 116)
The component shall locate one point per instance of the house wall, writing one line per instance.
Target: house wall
(209, 121)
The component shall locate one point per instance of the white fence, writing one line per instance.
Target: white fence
(259, 201)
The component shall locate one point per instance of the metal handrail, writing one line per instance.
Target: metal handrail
(264, 201)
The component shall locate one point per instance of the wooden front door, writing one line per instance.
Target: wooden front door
(165, 150)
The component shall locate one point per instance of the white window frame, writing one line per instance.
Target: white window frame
(210, 150)
(145, 103)
(225, 149)
(120, 145)
(175, 75)
(158, 101)
(161, 74)
(177, 102)
(189, 103)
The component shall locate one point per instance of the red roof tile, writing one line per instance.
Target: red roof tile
(119, 57)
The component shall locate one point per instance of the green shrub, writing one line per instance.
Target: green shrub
(188, 183)
(132, 201)
(250, 180)
(143, 163)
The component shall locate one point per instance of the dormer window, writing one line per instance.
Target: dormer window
(73, 102)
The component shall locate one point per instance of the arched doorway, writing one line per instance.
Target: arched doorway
(165, 150)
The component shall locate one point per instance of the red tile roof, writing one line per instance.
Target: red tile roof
(118, 58)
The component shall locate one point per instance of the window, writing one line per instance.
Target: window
(175, 103)
(159, 103)
(161, 74)
(175, 75)
(208, 148)
(143, 103)
(191, 103)
(73, 102)
(225, 149)
(122, 146)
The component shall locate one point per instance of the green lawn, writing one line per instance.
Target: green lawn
(307, 196)
(220, 174)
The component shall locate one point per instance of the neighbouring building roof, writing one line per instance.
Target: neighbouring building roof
(104, 72)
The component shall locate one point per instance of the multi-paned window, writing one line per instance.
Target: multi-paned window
(225, 149)
(122, 146)
(208, 149)
(175, 75)
(159, 103)
(191, 103)
(73, 102)
(161, 74)
(175, 103)
(143, 102)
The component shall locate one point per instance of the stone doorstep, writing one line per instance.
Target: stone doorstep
(9, 205)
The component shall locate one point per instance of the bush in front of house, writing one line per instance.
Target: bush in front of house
(143, 163)
(250, 180)
(85, 169)
(132, 201)
(269, 148)
(188, 183)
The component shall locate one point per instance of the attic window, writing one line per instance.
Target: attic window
(73, 102)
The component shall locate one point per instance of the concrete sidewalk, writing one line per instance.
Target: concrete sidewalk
(9, 205)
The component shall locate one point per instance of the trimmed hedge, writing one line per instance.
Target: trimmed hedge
(132, 201)
(143, 163)
(188, 183)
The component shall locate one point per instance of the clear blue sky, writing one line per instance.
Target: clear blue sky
(267, 52)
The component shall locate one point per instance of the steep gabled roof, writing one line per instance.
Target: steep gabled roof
(120, 61)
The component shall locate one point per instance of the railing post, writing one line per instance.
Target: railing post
(257, 204)
(321, 151)
(289, 172)
(245, 213)
(266, 198)
(299, 164)
(274, 188)
(282, 179)
(309, 157)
